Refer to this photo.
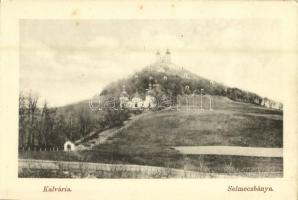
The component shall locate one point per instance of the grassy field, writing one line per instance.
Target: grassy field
(236, 124)
(149, 140)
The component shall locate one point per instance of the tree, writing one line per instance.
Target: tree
(28, 119)
(22, 119)
(58, 135)
(46, 124)
(84, 121)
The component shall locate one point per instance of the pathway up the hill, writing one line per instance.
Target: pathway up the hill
(106, 134)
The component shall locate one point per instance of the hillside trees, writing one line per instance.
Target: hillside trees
(112, 118)
(39, 126)
(28, 122)
(175, 84)
(22, 120)
(32, 115)
(47, 122)
(36, 125)
(44, 127)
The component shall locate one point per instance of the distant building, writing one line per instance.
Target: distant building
(158, 56)
(124, 98)
(265, 102)
(137, 102)
(277, 105)
(271, 104)
(69, 146)
(155, 85)
(166, 58)
(186, 75)
(150, 101)
(257, 101)
(187, 90)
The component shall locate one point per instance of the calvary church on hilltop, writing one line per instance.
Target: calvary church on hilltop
(137, 101)
(190, 84)
(148, 100)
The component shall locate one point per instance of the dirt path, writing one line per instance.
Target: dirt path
(231, 150)
(106, 134)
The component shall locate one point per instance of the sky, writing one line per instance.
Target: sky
(65, 61)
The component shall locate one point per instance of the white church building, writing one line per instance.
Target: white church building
(137, 102)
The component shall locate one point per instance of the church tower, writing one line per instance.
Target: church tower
(168, 56)
(123, 98)
(158, 56)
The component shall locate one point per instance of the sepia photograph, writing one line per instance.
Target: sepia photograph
(133, 100)
(150, 98)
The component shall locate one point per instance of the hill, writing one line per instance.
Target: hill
(166, 79)
(150, 139)
(148, 136)
(173, 80)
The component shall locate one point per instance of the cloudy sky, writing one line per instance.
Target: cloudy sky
(65, 61)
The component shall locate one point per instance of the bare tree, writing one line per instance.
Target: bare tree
(22, 119)
(32, 108)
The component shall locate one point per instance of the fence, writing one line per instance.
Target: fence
(41, 148)
(194, 102)
(146, 171)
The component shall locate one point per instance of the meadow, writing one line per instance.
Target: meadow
(150, 140)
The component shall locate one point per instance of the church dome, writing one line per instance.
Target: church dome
(137, 95)
(168, 51)
(124, 94)
(150, 92)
